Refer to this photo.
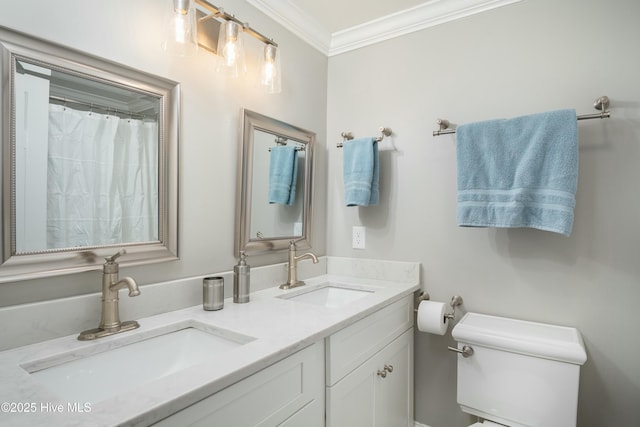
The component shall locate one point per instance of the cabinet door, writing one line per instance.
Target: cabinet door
(394, 393)
(365, 398)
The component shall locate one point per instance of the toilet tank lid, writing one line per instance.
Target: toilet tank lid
(519, 336)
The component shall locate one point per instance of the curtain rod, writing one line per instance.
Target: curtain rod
(92, 106)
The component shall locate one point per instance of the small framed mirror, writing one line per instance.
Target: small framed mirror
(265, 221)
(89, 161)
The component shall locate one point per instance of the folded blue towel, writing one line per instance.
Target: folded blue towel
(520, 172)
(361, 172)
(283, 174)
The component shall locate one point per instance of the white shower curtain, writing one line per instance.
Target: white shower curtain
(102, 179)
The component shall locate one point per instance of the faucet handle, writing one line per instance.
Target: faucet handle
(112, 258)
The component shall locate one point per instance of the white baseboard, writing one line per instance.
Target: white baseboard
(417, 424)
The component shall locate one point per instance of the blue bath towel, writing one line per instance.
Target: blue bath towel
(361, 172)
(520, 172)
(283, 174)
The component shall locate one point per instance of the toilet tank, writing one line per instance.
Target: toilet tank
(521, 373)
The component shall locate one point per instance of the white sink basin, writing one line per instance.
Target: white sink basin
(95, 377)
(329, 295)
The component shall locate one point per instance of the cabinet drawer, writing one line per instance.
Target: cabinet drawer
(352, 346)
(285, 392)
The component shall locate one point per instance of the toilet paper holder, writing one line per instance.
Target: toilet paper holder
(456, 301)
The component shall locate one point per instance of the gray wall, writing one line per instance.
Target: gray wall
(524, 58)
(130, 32)
(528, 57)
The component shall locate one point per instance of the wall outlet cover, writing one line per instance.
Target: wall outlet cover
(358, 237)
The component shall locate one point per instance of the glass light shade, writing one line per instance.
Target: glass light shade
(270, 72)
(231, 49)
(182, 35)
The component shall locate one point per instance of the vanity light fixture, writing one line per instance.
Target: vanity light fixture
(215, 30)
(182, 32)
(270, 71)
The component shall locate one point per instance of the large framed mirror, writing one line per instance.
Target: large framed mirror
(89, 161)
(264, 221)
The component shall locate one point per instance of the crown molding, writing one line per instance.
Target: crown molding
(428, 14)
(294, 19)
(407, 21)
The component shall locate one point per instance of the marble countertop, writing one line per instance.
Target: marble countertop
(280, 328)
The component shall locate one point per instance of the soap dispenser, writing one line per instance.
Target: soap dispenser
(241, 280)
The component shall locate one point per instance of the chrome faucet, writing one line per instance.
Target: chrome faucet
(110, 323)
(292, 269)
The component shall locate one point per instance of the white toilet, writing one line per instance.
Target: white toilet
(520, 373)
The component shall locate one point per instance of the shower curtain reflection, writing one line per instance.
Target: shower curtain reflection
(101, 181)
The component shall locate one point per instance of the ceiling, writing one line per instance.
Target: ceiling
(338, 26)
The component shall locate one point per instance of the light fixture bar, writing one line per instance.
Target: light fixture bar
(218, 12)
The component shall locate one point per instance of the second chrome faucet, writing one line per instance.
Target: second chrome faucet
(292, 268)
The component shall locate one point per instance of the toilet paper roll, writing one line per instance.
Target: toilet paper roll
(431, 317)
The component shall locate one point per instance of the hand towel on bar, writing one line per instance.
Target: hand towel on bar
(283, 174)
(520, 172)
(361, 172)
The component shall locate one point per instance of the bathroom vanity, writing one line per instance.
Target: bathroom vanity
(341, 345)
(369, 381)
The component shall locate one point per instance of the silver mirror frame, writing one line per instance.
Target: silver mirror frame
(14, 267)
(252, 121)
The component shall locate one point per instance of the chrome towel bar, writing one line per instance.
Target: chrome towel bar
(347, 136)
(601, 104)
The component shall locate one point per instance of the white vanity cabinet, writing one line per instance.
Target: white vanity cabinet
(369, 371)
(288, 393)
(361, 376)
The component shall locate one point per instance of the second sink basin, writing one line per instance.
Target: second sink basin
(95, 377)
(329, 295)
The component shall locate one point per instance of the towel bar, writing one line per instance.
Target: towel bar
(602, 103)
(281, 141)
(298, 148)
(347, 136)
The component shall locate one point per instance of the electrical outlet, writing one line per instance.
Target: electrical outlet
(358, 237)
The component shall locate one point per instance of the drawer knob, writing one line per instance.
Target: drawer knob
(388, 368)
(382, 374)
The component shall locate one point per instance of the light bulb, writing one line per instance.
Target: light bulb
(231, 49)
(230, 53)
(180, 28)
(270, 74)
